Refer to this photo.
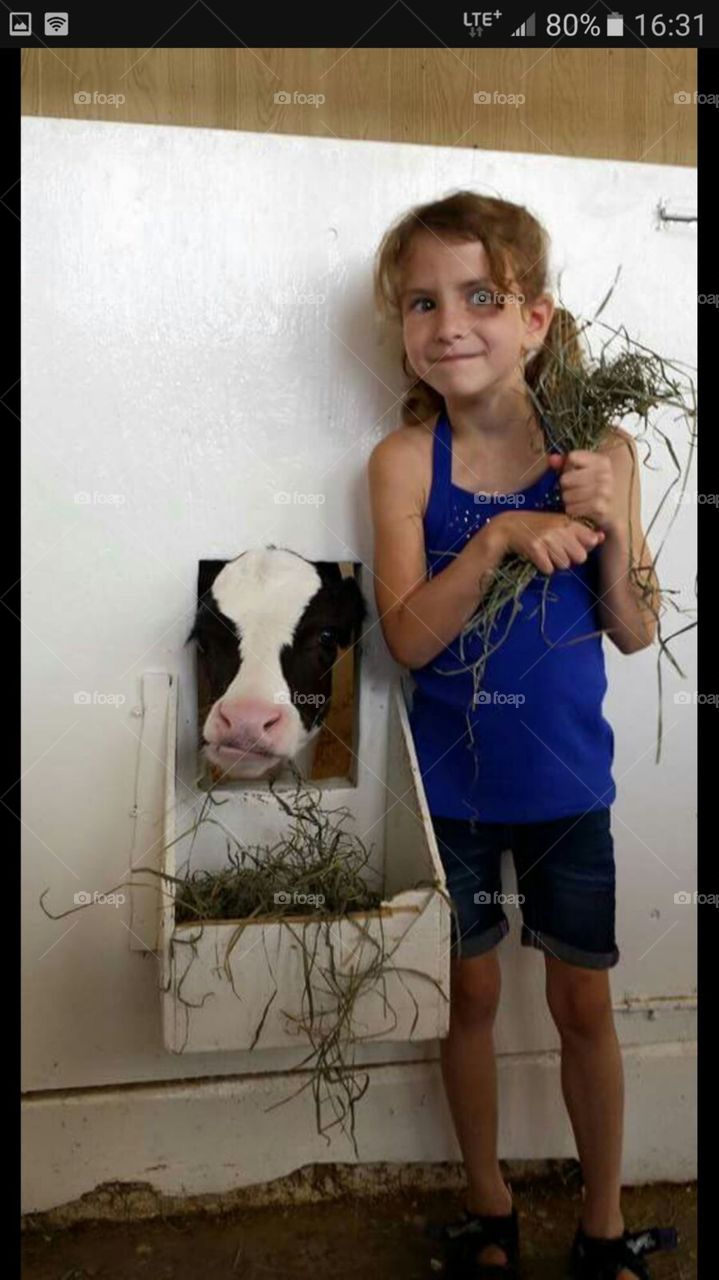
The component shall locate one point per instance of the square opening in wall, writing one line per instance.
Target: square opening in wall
(277, 666)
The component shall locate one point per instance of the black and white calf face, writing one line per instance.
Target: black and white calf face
(268, 628)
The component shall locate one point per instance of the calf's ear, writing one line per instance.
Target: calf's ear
(351, 610)
(207, 571)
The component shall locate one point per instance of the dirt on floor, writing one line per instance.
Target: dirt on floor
(367, 1238)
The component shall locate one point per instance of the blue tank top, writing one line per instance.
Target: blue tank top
(539, 746)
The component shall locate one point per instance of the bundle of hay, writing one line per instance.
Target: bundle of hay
(583, 404)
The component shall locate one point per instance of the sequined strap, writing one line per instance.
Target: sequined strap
(494, 1229)
(442, 454)
(435, 516)
(651, 1239)
(604, 1259)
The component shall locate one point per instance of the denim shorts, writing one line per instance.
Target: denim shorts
(565, 885)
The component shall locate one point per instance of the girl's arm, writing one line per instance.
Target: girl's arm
(628, 618)
(419, 617)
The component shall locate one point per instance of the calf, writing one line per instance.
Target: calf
(267, 628)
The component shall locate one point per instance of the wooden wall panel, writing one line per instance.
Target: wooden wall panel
(613, 103)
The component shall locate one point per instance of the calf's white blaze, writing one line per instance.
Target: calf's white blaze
(265, 594)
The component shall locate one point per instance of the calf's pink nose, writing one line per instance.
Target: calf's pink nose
(249, 722)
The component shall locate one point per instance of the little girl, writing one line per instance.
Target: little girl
(472, 475)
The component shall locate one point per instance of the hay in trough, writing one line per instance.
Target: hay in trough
(318, 860)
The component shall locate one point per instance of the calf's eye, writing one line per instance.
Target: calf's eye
(328, 637)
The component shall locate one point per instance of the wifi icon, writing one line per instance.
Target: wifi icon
(56, 24)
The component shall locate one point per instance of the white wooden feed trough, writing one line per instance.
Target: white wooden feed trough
(219, 997)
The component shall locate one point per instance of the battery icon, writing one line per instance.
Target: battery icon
(615, 25)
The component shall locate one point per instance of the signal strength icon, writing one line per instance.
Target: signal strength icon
(526, 28)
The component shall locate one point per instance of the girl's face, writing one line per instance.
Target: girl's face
(461, 335)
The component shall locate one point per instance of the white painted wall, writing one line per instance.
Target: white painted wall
(171, 356)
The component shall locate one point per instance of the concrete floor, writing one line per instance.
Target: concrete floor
(364, 1238)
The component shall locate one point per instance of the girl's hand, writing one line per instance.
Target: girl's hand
(551, 541)
(588, 486)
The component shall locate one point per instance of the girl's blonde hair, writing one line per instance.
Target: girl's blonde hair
(517, 246)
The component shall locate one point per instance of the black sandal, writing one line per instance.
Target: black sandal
(466, 1236)
(597, 1259)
